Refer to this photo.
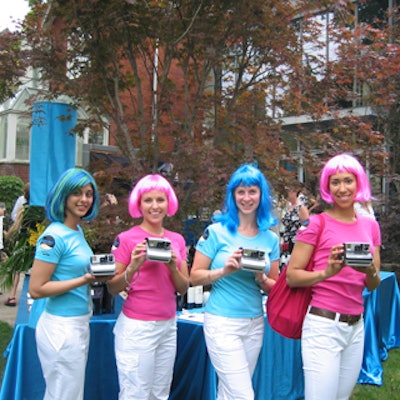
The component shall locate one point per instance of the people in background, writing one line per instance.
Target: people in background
(233, 321)
(21, 200)
(332, 340)
(296, 214)
(364, 208)
(60, 274)
(146, 329)
(17, 217)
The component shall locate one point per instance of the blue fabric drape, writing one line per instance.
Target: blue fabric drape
(52, 149)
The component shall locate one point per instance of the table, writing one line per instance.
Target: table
(278, 374)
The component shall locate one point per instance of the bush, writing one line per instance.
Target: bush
(11, 187)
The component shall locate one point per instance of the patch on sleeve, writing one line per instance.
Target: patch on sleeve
(115, 244)
(47, 242)
(205, 235)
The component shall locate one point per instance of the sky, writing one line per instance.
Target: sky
(12, 9)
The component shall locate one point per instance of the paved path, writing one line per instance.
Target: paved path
(9, 314)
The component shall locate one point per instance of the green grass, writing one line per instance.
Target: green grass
(6, 332)
(390, 390)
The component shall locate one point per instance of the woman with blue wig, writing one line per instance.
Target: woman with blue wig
(239, 256)
(60, 274)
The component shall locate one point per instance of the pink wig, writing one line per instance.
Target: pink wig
(344, 163)
(147, 184)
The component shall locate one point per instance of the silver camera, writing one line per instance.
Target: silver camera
(102, 265)
(253, 260)
(158, 249)
(357, 254)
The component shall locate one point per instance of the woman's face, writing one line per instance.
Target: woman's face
(154, 206)
(343, 187)
(247, 198)
(79, 202)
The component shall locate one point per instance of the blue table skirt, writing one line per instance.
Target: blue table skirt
(278, 374)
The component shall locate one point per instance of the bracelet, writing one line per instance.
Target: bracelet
(262, 282)
(130, 284)
(209, 277)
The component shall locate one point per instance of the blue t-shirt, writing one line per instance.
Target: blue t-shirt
(236, 295)
(68, 249)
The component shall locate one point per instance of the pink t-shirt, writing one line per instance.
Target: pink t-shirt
(342, 292)
(152, 296)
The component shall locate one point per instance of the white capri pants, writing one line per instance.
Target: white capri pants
(145, 353)
(332, 354)
(234, 345)
(62, 345)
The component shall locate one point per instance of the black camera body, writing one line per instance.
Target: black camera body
(102, 265)
(253, 260)
(158, 249)
(357, 254)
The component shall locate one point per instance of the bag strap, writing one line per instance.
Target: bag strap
(322, 223)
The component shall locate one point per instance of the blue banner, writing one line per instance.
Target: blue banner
(53, 147)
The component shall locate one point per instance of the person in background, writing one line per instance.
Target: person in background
(332, 340)
(146, 329)
(60, 273)
(364, 208)
(16, 216)
(234, 321)
(295, 215)
(22, 200)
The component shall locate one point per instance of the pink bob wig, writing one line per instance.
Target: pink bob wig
(344, 163)
(147, 184)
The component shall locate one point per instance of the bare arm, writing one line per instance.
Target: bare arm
(267, 281)
(296, 274)
(201, 273)
(41, 286)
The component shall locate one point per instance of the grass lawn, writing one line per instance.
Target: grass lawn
(390, 390)
(6, 331)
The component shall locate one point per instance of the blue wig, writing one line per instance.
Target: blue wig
(71, 180)
(247, 175)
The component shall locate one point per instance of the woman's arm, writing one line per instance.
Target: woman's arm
(41, 286)
(180, 277)
(267, 281)
(297, 276)
(201, 274)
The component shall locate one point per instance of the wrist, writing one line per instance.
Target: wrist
(372, 274)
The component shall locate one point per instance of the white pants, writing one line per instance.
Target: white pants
(234, 345)
(332, 354)
(62, 345)
(145, 353)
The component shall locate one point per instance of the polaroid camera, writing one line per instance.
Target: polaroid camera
(102, 265)
(253, 260)
(158, 249)
(357, 254)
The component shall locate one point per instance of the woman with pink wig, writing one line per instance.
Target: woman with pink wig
(333, 330)
(151, 267)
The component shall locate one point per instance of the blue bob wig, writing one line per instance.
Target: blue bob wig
(70, 181)
(247, 175)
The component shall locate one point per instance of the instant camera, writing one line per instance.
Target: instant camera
(357, 254)
(253, 260)
(158, 249)
(102, 265)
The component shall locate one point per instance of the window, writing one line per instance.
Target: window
(22, 138)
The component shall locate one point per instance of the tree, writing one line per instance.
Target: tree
(202, 84)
